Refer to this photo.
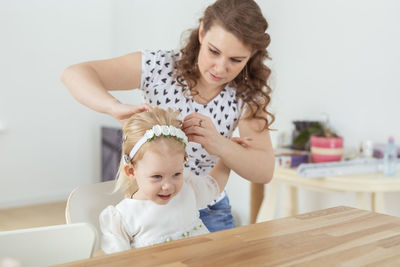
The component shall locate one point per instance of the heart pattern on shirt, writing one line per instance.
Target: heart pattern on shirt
(161, 89)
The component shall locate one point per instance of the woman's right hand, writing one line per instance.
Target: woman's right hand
(122, 112)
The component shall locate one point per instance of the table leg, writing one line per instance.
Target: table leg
(268, 207)
(377, 202)
(362, 201)
(290, 202)
(256, 198)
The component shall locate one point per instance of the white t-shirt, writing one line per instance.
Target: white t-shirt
(136, 223)
(161, 89)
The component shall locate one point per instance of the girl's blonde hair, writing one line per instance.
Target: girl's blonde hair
(134, 130)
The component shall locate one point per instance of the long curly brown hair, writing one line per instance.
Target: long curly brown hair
(244, 19)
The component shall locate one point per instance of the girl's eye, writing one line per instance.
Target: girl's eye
(156, 176)
(177, 174)
(213, 51)
(236, 60)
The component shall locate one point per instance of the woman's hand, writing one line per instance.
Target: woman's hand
(122, 112)
(201, 129)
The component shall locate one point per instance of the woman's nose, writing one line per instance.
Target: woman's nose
(221, 66)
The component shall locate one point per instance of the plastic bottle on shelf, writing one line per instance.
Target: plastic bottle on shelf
(390, 158)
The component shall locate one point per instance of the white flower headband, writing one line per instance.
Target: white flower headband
(157, 130)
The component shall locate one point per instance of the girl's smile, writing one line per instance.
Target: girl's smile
(164, 197)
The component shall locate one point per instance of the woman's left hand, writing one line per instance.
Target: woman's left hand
(200, 129)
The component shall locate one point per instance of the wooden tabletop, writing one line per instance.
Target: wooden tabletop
(335, 236)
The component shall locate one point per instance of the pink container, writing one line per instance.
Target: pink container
(326, 149)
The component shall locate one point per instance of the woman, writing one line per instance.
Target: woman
(218, 81)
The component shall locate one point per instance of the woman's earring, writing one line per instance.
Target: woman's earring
(245, 75)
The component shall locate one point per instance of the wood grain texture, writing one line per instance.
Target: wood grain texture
(337, 236)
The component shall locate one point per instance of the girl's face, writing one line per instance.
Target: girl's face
(159, 175)
(221, 57)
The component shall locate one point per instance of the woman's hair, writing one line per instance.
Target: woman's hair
(244, 19)
(133, 131)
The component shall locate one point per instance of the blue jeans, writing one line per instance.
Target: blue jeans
(218, 216)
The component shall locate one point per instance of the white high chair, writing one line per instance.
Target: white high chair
(86, 202)
(49, 245)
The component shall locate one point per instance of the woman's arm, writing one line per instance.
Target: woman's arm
(221, 174)
(89, 83)
(254, 162)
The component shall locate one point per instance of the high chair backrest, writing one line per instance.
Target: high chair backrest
(49, 245)
(86, 202)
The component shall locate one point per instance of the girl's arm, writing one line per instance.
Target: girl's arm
(89, 83)
(114, 237)
(221, 174)
(255, 163)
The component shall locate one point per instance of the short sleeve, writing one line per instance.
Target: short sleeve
(205, 188)
(114, 236)
(155, 66)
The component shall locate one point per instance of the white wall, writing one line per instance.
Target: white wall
(336, 57)
(51, 143)
(339, 58)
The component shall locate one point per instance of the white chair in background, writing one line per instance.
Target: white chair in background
(85, 204)
(49, 245)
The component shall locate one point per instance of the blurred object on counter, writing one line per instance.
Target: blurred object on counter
(301, 134)
(326, 149)
(289, 158)
(305, 129)
(390, 158)
(367, 149)
(379, 150)
(350, 153)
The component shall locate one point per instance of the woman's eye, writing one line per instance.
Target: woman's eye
(213, 51)
(236, 60)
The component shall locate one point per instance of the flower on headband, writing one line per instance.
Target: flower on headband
(151, 134)
(173, 131)
(181, 135)
(157, 130)
(165, 129)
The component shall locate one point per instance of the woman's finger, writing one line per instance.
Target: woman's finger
(195, 122)
(195, 115)
(194, 130)
(141, 108)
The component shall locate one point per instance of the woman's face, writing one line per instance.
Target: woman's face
(222, 56)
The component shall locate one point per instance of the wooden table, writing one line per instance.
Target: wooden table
(369, 189)
(334, 236)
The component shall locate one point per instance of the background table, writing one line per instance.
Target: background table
(369, 190)
(334, 236)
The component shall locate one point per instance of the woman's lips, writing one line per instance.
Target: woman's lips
(214, 77)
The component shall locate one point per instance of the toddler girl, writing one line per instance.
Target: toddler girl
(162, 200)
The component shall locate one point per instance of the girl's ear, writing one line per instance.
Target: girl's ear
(201, 32)
(129, 171)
